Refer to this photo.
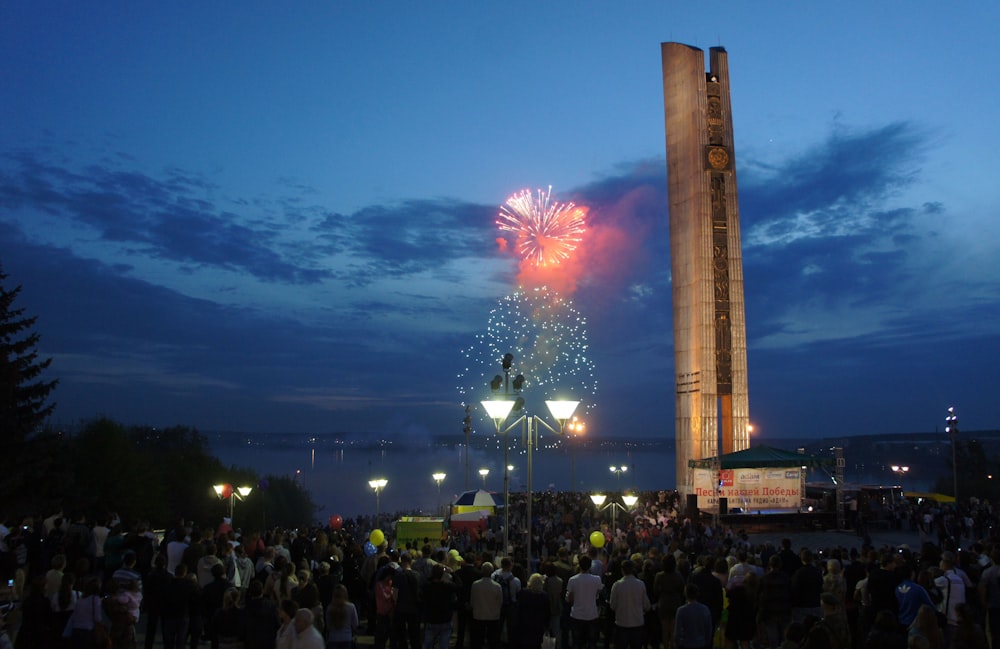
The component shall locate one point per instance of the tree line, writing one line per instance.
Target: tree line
(137, 472)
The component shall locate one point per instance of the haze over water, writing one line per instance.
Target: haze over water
(338, 478)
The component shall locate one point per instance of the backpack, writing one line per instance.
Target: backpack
(385, 600)
(504, 586)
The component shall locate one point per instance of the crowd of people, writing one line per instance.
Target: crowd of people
(658, 580)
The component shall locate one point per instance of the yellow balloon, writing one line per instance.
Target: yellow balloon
(376, 537)
(597, 539)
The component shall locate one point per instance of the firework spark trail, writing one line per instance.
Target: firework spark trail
(547, 231)
(548, 338)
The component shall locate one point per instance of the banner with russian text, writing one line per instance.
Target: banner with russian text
(749, 489)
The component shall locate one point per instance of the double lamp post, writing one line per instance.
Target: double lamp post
(499, 410)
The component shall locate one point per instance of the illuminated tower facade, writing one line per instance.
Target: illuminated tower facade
(706, 262)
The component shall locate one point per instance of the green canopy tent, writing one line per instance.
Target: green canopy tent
(762, 457)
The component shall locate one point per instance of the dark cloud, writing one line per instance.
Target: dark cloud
(161, 218)
(834, 279)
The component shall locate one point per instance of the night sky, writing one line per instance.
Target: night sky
(281, 217)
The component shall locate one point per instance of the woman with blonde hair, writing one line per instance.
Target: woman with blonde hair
(532, 613)
(229, 622)
(341, 620)
(925, 626)
(834, 582)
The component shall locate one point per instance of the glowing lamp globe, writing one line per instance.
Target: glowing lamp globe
(562, 410)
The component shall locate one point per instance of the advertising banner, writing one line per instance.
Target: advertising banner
(749, 489)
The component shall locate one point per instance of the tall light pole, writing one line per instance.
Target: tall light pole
(500, 409)
(224, 491)
(561, 410)
(577, 427)
(439, 478)
(951, 427)
(378, 484)
(614, 506)
(484, 472)
(618, 471)
(467, 429)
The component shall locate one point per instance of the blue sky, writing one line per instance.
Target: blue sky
(273, 217)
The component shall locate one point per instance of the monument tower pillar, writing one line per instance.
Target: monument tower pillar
(706, 262)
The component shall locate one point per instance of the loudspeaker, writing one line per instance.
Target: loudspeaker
(723, 506)
(692, 505)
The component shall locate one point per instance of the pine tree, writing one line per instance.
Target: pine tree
(23, 396)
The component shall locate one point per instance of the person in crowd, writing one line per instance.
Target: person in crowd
(807, 587)
(307, 636)
(795, 634)
(885, 633)
(181, 600)
(87, 614)
(830, 631)
(693, 628)
(774, 601)
(212, 596)
(968, 634)
(668, 587)
(629, 602)
(486, 600)
(910, 597)
(989, 596)
(555, 590)
(467, 573)
(407, 587)
(533, 614)
(242, 571)
(42, 624)
(286, 636)
(510, 586)
(229, 623)
(385, 602)
(741, 625)
(925, 629)
(582, 592)
(262, 620)
(53, 578)
(710, 591)
(439, 597)
(342, 620)
(952, 589)
(206, 565)
(834, 581)
(157, 583)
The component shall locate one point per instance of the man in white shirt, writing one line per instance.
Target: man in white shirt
(307, 636)
(952, 589)
(630, 602)
(582, 590)
(486, 598)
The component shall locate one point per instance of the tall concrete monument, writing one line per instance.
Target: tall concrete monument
(706, 262)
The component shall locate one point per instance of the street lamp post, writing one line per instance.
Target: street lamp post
(378, 484)
(951, 427)
(484, 472)
(614, 505)
(499, 410)
(561, 411)
(618, 471)
(224, 491)
(439, 478)
(577, 427)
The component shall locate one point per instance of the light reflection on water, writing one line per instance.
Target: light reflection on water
(338, 478)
